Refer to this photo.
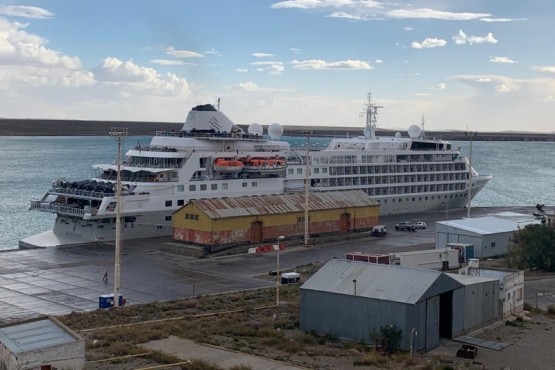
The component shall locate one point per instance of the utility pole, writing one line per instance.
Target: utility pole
(306, 185)
(470, 136)
(119, 134)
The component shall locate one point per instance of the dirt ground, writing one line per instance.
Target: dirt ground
(532, 345)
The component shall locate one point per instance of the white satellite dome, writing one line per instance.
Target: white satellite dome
(255, 129)
(414, 131)
(397, 135)
(275, 131)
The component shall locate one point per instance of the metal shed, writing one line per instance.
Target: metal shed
(350, 299)
(43, 343)
(490, 235)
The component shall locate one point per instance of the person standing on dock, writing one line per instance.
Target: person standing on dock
(105, 277)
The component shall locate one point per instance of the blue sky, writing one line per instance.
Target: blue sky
(481, 65)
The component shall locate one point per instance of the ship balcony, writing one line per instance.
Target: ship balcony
(61, 209)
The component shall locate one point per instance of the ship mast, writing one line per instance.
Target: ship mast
(371, 112)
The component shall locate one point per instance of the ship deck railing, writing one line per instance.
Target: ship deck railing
(81, 193)
(58, 208)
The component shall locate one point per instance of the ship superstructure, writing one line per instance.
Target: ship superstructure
(211, 157)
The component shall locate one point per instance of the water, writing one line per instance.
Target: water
(523, 172)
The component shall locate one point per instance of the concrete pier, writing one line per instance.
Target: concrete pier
(56, 281)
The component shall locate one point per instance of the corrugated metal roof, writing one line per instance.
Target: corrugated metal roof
(34, 335)
(283, 203)
(471, 279)
(486, 225)
(377, 281)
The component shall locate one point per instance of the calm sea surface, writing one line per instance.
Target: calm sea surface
(523, 174)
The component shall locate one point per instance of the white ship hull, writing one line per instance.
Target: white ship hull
(404, 175)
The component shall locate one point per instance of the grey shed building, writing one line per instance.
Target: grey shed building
(351, 299)
(42, 343)
(490, 235)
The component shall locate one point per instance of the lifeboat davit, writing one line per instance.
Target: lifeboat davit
(265, 165)
(228, 165)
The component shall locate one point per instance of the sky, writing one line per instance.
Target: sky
(461, 65)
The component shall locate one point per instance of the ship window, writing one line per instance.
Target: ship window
(180, 202)
(290, 171)
(224, 186)
(400, 200)
(413, 199)
(168, 203)
(214, 187)
(493, 244)
(392, 200)
(316, 170)
(203, 187)
(254, 184)
(299, 171)
(325, 170)
(244, 184)
(192, 188)
(159, 227)
(106, 220)
(180, 187)
(187, 216)
(425, 198)
(168, 218)
(385, 201)
(300, 219)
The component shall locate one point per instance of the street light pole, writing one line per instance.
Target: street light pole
(119, 134)
(306, 185)
(277, 269)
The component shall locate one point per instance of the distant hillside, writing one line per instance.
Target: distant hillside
(49, 127)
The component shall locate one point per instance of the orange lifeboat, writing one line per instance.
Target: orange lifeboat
(228, 165)
(265, 165)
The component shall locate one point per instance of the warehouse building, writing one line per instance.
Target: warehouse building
(490, 235)
(256, 219)
(43, 343)
(352, 299)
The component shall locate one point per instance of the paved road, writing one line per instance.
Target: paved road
(57, 281)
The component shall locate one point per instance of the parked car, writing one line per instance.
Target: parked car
(419, 224)
(405, 226)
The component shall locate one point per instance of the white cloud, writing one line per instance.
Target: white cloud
(273, 67)
(165, 62)
(461, 38)
(183, 53)
(212, 52)
(501, 20)
(502, 88)
(345, 15)
(315, 4)
(549, 98)
(295, 50)
(317, 64)
(546, 69)
(378, 61)
(25, 11)
(429, 43)
(434, 14)
(408, 29)
(502, 60)
(242, 70)
(262, 55)
(248, 86)
(442, 86)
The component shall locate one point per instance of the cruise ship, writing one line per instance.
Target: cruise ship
(212, 157)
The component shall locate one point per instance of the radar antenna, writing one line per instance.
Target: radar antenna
(371, 111)
(423, 134)
(218, 105)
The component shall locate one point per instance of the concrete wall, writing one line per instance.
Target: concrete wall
(69, 356)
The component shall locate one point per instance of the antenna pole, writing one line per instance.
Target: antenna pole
(371, 120)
